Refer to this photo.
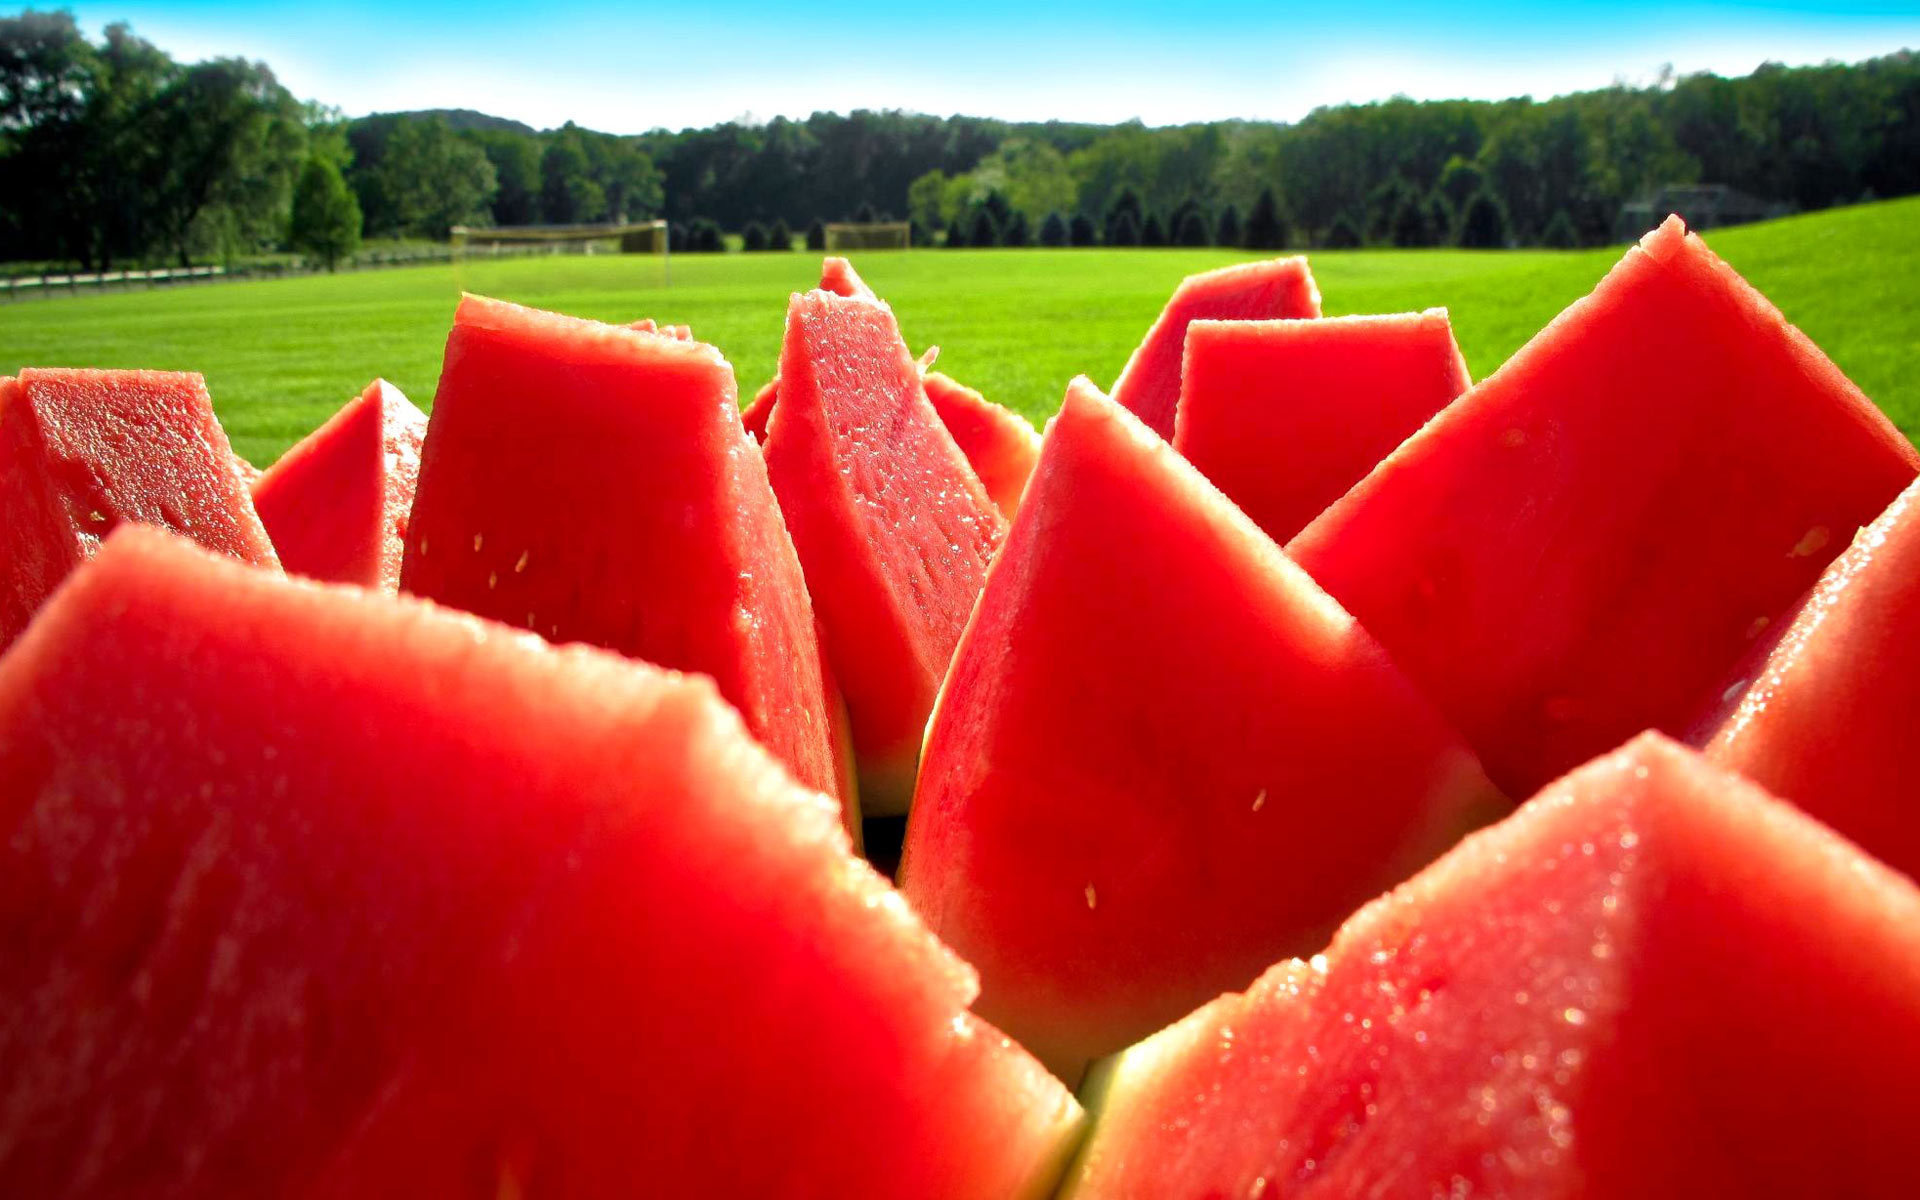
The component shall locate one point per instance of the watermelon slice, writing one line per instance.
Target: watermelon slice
(999, 444)
(893, 527)
(754, 417)
(679, 333)
(81, 452)
(1652, 981)
(1149, 385)
(592, 483)
(249, 474)
(1587, 542)
(1163, 757)
(1825, 717)
(1285, 416)
(838, 276)
(376, 899)
(336, 504)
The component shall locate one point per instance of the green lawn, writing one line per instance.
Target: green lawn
(280, 355)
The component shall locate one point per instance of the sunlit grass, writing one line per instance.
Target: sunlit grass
(281, 355)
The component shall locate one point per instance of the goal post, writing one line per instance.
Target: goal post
(629, 237)
(873, 235)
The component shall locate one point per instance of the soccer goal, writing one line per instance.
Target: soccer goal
(627, 237)
(876, 235)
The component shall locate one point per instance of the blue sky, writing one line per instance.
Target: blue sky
(634, 66)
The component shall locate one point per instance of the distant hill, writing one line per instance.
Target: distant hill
(464, 119)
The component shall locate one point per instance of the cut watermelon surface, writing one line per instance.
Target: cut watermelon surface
(893, 527)
(999, 444)
(592, 483)
(1285, 416)
(336, 504)
(1149, 385)
(1163, 757)
(1585, 543)
(376, 899)
(1654, 980)
(838, 276)
(1826, 716)
(754, 417)
(82, 452)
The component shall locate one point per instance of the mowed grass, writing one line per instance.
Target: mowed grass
(279, 356)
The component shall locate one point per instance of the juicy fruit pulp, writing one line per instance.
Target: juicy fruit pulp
(1163, 758)
(893, 527)
(592, 483)
(999, 444)
(1285, 416)
(82, 452)
(1586, 542)
(336, 504)
(1653, 980)
(1149, 385)
(375, 899)
(1825, 717)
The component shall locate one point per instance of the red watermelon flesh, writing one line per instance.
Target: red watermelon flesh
(249, 474)
(838, 276)
(893, 527)
(1654, 980)
(1586, 543)
(1285, 416)
(336, 504)
(1163, 757)
(679, 333)
(999, 444)
(1825, 716)
(754, 417)
(593, 484)
(376, 899)
(82, 452)
(1149, 385)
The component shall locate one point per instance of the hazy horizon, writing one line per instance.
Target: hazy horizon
(619, 72)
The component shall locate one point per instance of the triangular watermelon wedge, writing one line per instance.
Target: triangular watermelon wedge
(1825, 716)
(1163, 757)
(838, 276)
(999, 444)
(1584, 544)
(754, 417)
(1654, 980)
(1285, 416)
(893, 527)
(336, 504)
(377, 899)
(592, 483)
(1149, 385)
(83, 452)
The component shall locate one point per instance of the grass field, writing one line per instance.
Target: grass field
(280, 356)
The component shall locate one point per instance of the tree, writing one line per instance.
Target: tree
(1192, 230)
(1227, 232)
(1016, 232)
(1460, 180)
(927, 199)
(816, 236)
(957, 235)
(1410, 223)
(1053, 231)
(516, 172)
(1560, 233)
(982, 231)
(569, 194)
(1483, 225)
(1122, 231)
(1265, 229)
(1080, 231)
(753, 237)
(704, 236)
(1153, 233)
(779, 236)
(436, 179)
(325, 220)
(1344, 233)
(865, 214)
(1126, 204)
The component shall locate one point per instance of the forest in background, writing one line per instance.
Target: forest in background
(113, 153)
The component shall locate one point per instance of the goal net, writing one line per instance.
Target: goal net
(624, 237)
(878, 235)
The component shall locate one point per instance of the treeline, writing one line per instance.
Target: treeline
(113, 152)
